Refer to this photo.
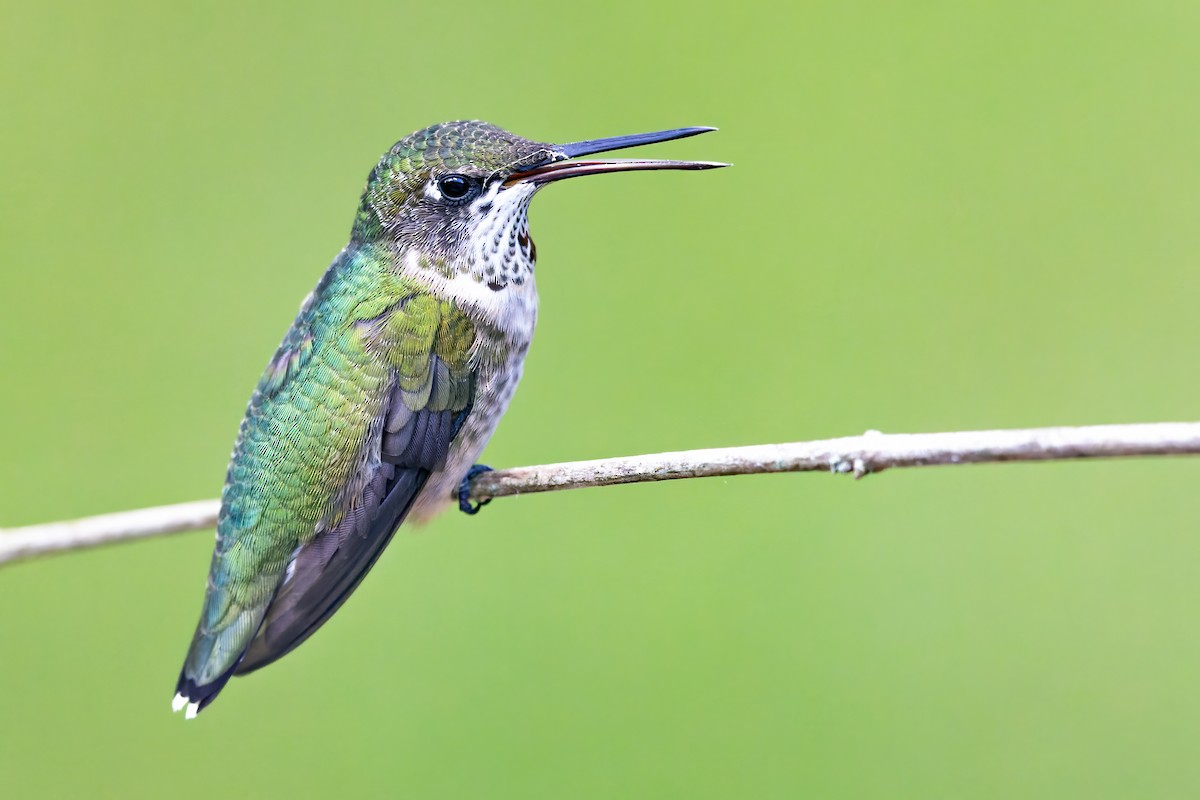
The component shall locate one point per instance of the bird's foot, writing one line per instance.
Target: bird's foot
(464, 490)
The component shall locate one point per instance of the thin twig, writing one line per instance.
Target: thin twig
(856, 455)
(17, 544)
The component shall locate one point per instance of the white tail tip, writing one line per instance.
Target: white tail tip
(180, 702)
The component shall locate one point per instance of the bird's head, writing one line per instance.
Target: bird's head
(458, 193)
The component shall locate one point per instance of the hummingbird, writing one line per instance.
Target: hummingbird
(387, 386)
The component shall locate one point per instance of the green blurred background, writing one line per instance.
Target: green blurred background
(944, 215)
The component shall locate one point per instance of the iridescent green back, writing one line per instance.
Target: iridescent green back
(309, 452)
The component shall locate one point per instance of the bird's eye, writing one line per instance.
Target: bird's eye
(456, 187)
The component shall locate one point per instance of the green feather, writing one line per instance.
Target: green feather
(299, 460)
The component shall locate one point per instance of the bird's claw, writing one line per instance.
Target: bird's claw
(464, 490)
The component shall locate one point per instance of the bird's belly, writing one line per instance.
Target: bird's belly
(494, 390)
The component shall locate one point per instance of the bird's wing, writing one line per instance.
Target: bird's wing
(425, 342)
(358, 407)
(323, 573)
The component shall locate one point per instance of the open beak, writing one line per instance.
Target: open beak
(559, 167)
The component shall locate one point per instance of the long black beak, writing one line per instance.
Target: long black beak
(559, 167)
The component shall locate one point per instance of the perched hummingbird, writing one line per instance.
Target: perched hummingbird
(386, 388)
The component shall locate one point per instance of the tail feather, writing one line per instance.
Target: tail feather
(195, 697)
(199, 680)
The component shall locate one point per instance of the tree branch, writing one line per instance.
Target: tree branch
(856, 455)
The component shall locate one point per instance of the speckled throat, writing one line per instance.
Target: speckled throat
(499, 250)
(489, 268)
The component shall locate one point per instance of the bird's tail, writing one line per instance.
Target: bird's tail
(194, 696)
(212, 660)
